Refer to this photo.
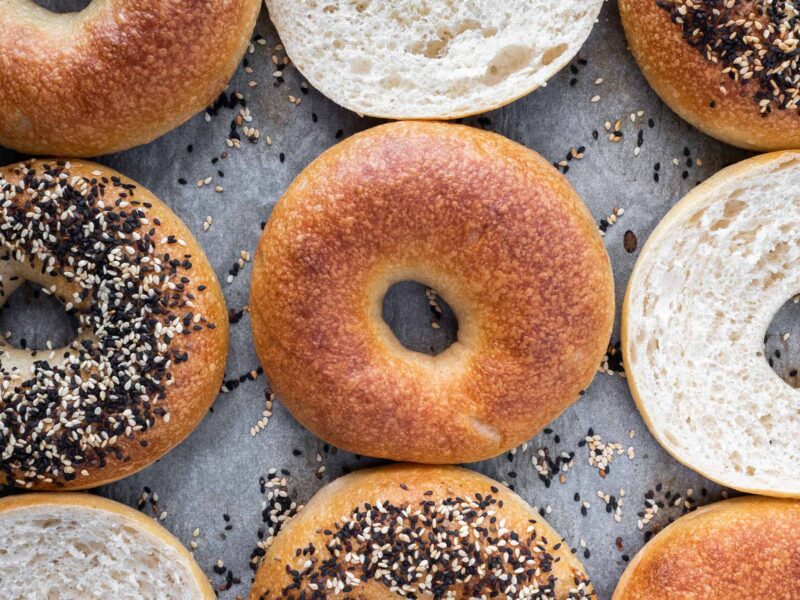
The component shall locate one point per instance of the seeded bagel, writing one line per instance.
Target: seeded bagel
(118, 74)
(703, 293)
(370, 534)
(77, 546)
(487, 223)
(152, 341)
(728, 68)
(739, 549)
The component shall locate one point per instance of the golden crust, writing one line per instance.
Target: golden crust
(690, 84)
(197, 381)
(697, 197)
(738, 549)
(116, 75)
(130, 516)
(489, 224)
(383, 484)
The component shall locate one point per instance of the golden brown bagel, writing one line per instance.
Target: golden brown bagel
(741, 549)
(118, 74)
(391, 509)
(486, 222)
(166, 385)
(80, 546)
(694, 80)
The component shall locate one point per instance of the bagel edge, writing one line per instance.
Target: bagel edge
(407, 485)
(132, 518)
(116, 75)
(693, 556)
(690, 85)
(204, 371)
(684, 206)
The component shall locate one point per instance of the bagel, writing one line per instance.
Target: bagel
(486, 222)
(704, 290)
(431, 60)
(69, 546)
(739, 549)
(118, 74)
(419, 532)
(728, 68)
(152, 341)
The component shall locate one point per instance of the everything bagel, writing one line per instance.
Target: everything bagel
(152, 339)
(117, 74)
(729, 68)
(486, 222)
(413, 531)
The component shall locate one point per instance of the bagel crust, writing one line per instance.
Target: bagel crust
(116, 75)
(384, 516)
(739, 549)
(705, 58)
(486, 222)
(152, 341)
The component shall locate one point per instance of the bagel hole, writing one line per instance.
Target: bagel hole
(420, 318)
(30, 318)
(782, 342)
(63, 6)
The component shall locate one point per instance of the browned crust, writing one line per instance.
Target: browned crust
(382, 484)
(198, 380)
(119, 74)
(67, 501)
(739, 549)
(688, 83)
(499, 232)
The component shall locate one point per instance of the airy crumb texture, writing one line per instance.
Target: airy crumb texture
(50, 553)
(434, 58)
(703, 294)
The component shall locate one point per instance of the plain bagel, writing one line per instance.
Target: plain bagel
(728, 68)
(77, 546)
(152, 341)
(740, 549)
(370, 534)
(118, 74)
(486, 222)
(705, 288)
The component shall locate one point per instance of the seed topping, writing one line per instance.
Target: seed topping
(754, 41)
(453, 548)
(82, 406)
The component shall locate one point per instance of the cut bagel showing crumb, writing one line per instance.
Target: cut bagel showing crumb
(700, 300)
(77, 546)
(437, 59)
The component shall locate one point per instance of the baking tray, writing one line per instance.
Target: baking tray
(601, 105)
